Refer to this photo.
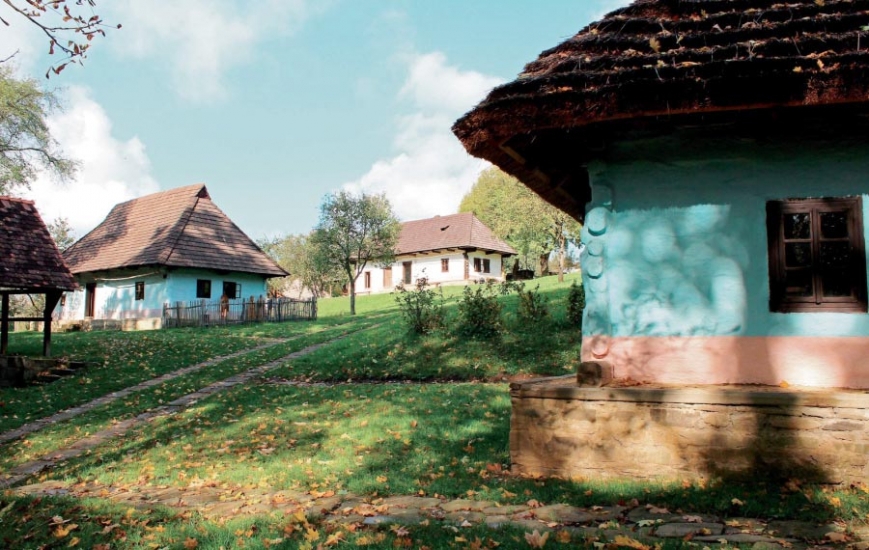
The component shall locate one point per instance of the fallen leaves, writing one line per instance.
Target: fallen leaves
(536, 540)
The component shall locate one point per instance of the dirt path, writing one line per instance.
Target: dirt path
(41, 423)
(20, 473)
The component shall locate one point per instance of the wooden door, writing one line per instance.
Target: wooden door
(387, 277)
(407, 267)
(90, 291)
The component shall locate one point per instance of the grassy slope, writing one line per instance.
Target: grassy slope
(368, 438)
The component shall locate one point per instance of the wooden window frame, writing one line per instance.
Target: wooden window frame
(478, 265)
(140, 290)
(235, 295)
(487, 265)
(367, 280)
(203, 288)
(817, 302)
(445, 265)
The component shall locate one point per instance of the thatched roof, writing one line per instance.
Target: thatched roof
(660, 63)
(176, 228)
(31, 261)
(457, 231)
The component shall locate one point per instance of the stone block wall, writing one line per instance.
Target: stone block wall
(678, 433)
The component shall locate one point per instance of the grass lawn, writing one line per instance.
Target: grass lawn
(378, 413)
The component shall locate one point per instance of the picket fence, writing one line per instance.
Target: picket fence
(202, 313)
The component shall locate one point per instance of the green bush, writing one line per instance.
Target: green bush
(480, 311)
(422, 307)
(533, 306)
(575, 304)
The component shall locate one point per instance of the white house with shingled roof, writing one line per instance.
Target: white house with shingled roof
(454, 249)
(168, 247)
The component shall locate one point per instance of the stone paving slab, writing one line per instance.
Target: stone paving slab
(349, 509)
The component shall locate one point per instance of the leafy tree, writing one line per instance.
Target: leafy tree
(297, 254)
(26, 145)
(354, 231)
(517, 215)
(69, 25)
(62, 233)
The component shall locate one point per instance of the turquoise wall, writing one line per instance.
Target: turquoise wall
(676, 235)
(182, 284)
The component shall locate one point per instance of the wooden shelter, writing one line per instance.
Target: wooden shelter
(31, 264)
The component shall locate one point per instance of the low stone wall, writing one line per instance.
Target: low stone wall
(702, 432)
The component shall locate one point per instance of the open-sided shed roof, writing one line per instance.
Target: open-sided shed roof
(660, 63)
(31, 261)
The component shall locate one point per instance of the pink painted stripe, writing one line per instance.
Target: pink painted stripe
(825, 362)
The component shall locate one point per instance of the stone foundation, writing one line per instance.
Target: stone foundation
(678, 433)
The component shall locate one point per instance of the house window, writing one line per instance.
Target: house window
(203, 288)
(817, 259)
(140, 290)
(487, 265)
(367, 279)
(445, 265)
(478, 265)
(231, 290)
(63, 299)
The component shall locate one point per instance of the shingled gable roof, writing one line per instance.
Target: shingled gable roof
(659, 63)
(457, 231)
(30, 259)
(176, 228)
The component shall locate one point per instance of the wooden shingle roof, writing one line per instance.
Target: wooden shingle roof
(457, 231)
(177, 228)
(29, 258)
(659, 63)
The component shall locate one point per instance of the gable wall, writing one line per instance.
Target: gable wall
(676, 266)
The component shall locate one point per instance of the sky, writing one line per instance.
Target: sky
(275, 103)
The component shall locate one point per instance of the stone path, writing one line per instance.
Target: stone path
(599, 523)
(20, 473)
(37, 425)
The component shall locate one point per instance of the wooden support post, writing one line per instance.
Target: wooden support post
(51, 299)
(4, 325)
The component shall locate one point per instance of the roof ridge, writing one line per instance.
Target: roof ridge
(16, 199)
(180, 234)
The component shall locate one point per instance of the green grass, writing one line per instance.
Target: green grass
(392, 431)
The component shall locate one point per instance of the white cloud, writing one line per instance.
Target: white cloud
(431, 170)
(111, 170)
(202, 39)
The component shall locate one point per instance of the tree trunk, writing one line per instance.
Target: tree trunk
(353, 298)
(544, 264)
(562, 253)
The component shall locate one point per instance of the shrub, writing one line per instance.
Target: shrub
(479, 311)
(533, 306)
(575, 304)
(422, 307)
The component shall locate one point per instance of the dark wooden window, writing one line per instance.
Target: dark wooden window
(203, 288)
(231, 290)
(817, 259)
(140, 290)
(487, 265)
(478, 265)
(367, 279)
(445, 265)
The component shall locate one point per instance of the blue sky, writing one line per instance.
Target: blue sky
(274, 103)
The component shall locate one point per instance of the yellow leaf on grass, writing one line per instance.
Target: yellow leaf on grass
(563, 537)
(622, 540)
(190, 543)
(536, 540)
(311, 535)
(73, 542)
(382, 479)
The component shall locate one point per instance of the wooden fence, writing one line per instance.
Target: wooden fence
(202, 313)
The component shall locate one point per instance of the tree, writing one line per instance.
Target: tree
(517, 215)
(26, 145)
(70, 25)
(62, 233)
(353, 231)
(297, 254)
